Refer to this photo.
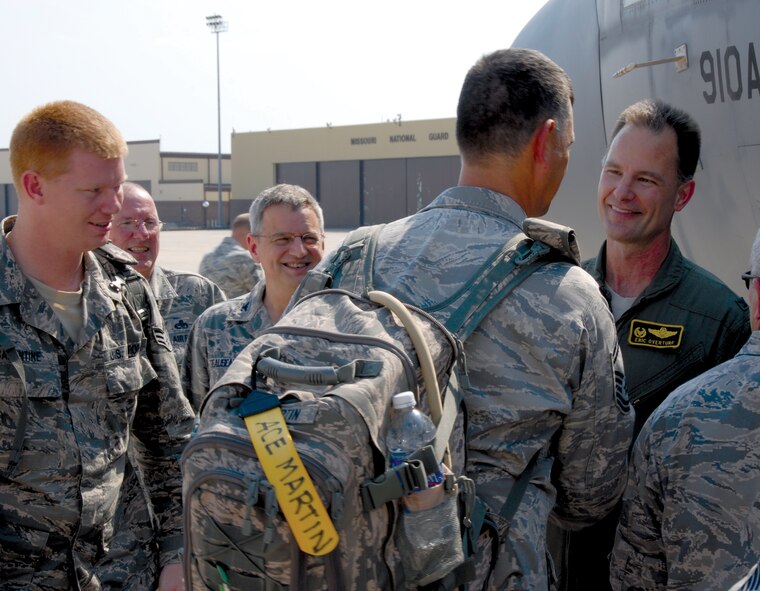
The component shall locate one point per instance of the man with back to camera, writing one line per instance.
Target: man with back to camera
(82, 376)
(544, 366)
(674, 319)
(181, 295)
(230, 265)
(691, 518)
(286, 239)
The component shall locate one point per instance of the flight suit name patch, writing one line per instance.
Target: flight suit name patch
(655, 334)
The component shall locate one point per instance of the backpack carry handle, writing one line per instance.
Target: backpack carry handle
(316, 375)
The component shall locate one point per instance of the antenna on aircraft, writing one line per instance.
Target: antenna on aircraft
(680, 57)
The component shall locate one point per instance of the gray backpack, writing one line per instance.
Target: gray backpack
(331, 367)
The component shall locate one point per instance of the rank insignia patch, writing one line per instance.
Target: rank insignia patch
(655, 334)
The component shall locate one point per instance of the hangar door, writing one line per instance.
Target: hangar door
(354, 193)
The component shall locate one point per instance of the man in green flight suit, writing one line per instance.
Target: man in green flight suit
(674, 319)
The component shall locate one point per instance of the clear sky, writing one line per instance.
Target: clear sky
(150, 65)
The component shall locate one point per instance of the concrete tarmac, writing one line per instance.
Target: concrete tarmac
(181, 250)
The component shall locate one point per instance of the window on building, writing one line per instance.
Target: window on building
(178, 166)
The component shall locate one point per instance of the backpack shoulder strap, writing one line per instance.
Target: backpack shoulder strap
(357, 252)
(355, 258)
(542, 242)
(117, 264)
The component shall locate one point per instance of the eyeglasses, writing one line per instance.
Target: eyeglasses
(309, 239)
(748, 276)
(150, 225)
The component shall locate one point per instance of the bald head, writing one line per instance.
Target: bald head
(136, 228)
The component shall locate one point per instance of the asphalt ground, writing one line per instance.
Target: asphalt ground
(181, 250)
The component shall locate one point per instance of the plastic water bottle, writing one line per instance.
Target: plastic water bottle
(409, 431)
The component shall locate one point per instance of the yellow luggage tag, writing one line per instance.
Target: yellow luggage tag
(298, 498)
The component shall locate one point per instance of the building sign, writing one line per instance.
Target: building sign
(433, 136)
(358, 141)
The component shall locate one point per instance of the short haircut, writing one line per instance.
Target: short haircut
(129, 186)
(293, 195)
(44, 139)
(754, 261)
(505, 97)
(658, 115)
(242, 220)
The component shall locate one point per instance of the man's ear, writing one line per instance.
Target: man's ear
(33, 185)
(253, 247)
(755, 310)
(542, 140)
(685, 193)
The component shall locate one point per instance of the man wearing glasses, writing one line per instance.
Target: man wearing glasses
(287, 240)
(690, 515)
(181, 295)
(674, 319)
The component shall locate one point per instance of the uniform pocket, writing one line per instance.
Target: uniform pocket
(13, 405)
(128, 375)
(21, 551)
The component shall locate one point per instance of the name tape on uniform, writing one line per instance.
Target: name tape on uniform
(657, 335)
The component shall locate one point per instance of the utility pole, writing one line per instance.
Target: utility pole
(217, 25)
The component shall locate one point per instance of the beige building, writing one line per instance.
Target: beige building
(360, 174)
(180, 182)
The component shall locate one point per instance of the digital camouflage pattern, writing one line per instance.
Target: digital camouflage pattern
(544, 367)
(231, 267)
(181, 298)
(72, 511)
(216, 338)
(708, 322)
(231, 514)
(691, 509)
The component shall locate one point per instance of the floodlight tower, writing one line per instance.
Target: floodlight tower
(217, 25)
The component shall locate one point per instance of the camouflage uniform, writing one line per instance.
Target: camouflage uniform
(72, 511)
(749, 582)
(231, 267)
(703, 323)
(691, 516)
(543, 367)
(216, 338)
(181, 298)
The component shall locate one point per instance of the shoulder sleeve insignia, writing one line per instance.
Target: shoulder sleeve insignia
(656, 335)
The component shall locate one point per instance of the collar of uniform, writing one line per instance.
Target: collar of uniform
(245, 307)
(229, 244)
(161, 286)
(752, 346)
(15, 288)
(668, 275)
(481, 200)
(12, 280)
(596, 267)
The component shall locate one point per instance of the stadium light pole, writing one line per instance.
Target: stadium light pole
(217, 25)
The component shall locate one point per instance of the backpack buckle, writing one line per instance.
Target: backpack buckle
(395, 483)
